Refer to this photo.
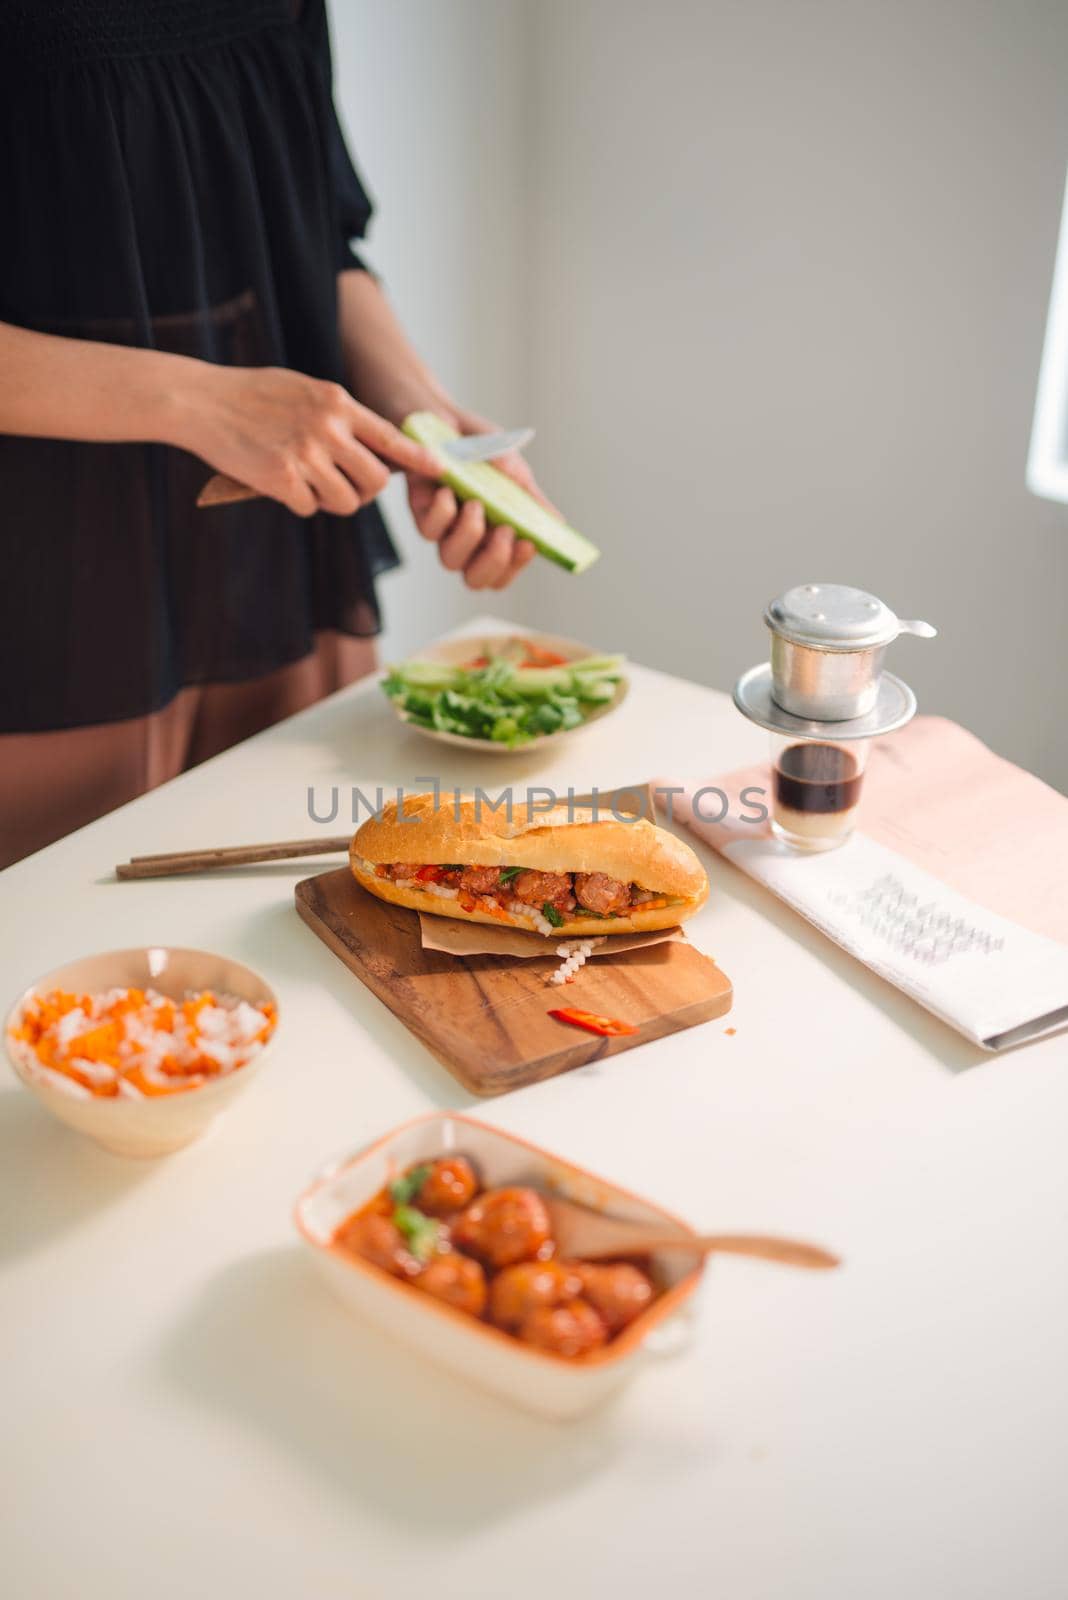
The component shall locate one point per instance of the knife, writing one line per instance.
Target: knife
(223, 491)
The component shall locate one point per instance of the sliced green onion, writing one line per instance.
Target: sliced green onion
(404, 1189)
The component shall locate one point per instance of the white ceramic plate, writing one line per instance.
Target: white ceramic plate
(534, 1379)
(456, 651)
(156, 1126)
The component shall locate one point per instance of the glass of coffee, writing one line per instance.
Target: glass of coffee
(815, 787)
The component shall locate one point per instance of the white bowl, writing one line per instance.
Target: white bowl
(152, 1126)
(537, 1380)
(454, 652)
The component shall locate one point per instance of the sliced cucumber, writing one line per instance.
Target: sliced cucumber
(536, 680)
(504, 501)
(426, 674)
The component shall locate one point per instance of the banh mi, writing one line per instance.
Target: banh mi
(565, 872)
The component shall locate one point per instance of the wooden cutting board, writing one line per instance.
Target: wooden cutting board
(487, 1017)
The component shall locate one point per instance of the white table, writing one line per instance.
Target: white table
(188, 1413)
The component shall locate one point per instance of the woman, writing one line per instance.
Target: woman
(177, 294)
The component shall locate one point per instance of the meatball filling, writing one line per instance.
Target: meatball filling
(556, 895)
(494, 1259)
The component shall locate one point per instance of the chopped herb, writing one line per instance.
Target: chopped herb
(422, 1233)
(404, 1189)
(550, 913)
(509, 873)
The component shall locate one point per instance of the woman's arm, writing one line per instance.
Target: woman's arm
(76, 389)
(382, 366)
(388, 374)
(302, 441)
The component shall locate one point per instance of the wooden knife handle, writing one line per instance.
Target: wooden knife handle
(223, 491)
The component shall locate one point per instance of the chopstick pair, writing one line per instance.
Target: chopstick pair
(174, 862)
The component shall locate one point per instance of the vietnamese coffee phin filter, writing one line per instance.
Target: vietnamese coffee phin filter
(822, 695)
(828, 644)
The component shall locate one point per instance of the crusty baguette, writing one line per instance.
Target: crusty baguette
(463, 834)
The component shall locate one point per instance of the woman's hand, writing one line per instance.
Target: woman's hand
(488, 557)
(385, 369)
(301, 440)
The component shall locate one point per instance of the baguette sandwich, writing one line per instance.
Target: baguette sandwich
(568, 873)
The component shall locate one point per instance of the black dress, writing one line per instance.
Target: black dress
(172, 176)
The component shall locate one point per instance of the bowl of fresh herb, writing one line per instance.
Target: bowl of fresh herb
(506, 693)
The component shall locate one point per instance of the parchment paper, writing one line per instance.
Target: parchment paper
(458, 938)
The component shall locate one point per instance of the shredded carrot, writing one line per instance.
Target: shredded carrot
(538, 656)
(471, 902)
(164, 1018)
(495, 910)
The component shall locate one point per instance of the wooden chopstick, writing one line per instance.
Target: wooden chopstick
(173, 862)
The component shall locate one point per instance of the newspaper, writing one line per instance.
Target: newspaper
(954, 888)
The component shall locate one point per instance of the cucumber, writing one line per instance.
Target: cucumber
(503, 500)
(427, 674)
(532, 682)
(558, 677)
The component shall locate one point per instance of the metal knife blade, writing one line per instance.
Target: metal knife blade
(486, 446)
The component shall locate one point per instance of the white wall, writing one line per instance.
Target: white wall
(791, 271)
(771, 281)
(431, 95)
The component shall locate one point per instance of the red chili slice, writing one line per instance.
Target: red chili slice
(607, 1027)
(429, 874)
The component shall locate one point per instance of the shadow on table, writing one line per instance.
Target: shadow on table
(269, 1345)
(52, 1178)
(293, 870)
(952, 1049)
(280, 945)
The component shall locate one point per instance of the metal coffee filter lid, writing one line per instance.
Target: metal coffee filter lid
(835, 616)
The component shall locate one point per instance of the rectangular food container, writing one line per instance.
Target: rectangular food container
(537, 1380)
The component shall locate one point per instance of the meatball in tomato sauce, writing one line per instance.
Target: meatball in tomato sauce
(480, 880)
(617, 1291)
(456, 1279)
(519, 1290)
(571, 1330)
(377, 1239)
(535, 888)
(596, 891)
(503, 1226)
(450, 1185)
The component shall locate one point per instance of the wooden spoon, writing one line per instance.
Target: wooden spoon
(583, 1234)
